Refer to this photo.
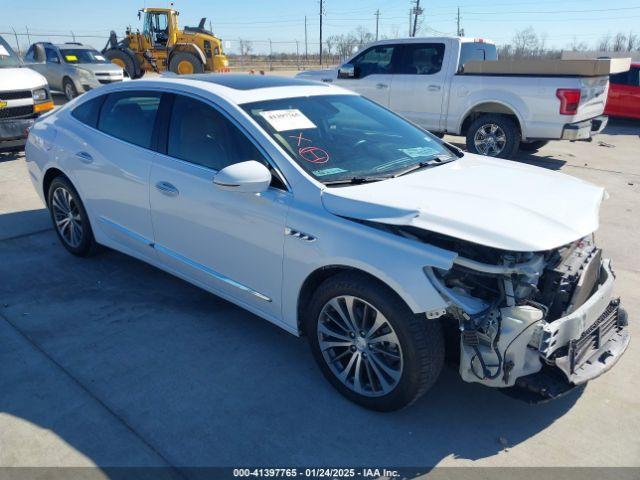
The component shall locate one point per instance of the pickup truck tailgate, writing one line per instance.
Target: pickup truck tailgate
(593, 96)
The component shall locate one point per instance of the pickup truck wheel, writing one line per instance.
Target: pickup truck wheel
(70, 219)
(369, 345)
(533, 146)
(494, 136)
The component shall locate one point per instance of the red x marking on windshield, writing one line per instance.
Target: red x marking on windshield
(300, 138)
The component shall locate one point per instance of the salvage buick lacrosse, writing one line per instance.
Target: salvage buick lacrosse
(334, 218)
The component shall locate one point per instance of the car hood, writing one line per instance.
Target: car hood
(497, 203)
(20, 79)
(100, 67)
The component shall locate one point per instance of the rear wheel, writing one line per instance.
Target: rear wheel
(493, 135)
(70, 219)
(185, 63)
(69, 89)
(369, 344)
(533, 146)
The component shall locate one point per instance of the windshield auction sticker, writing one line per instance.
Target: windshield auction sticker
(284, 120)
(418, 152)
(71, 58)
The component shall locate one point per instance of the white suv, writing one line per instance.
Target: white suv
(332, 217)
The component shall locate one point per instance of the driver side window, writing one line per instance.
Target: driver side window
(376, 60)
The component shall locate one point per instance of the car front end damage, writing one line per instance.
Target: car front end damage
(543, 321)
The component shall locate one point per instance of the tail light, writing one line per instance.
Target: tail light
(569, 100)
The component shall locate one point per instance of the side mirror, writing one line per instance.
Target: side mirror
(347, 71)
(245, 177)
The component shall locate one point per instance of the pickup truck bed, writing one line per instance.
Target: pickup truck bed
(458, 86)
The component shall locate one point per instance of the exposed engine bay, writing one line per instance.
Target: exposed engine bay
(521, 314)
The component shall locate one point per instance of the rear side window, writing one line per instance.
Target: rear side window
(477, 51)
(201, 135)
(632, 77)
(88, 112)
(422, 58)
(130, 116)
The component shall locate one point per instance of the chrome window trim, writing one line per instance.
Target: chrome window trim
(195, 96)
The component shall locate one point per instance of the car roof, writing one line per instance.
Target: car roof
(74, 46)
(249, 82)
(247, 88)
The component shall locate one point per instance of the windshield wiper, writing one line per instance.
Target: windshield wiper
(355, 180)
(439, 160)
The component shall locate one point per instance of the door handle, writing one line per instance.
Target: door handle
(381, 86)
(167, 189)
(84, 157)
(433, 88)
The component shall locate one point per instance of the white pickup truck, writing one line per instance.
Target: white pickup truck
(424, 80)
(24, 96)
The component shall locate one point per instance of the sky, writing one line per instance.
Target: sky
(282, 21)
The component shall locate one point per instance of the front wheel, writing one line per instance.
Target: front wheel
(493, 135)
(369, 344)
(69, 89)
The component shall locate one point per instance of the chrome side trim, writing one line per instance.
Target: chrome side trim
(126, 231)
(298, 234)
(212, 273)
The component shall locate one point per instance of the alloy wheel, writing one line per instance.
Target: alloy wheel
(67, 217)
(490, 139)
(360, 346)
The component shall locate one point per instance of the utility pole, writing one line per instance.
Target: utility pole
(321, 14)
(377, 14)
(417, 11)
(410, 19)
(306, 49)
(459, 33)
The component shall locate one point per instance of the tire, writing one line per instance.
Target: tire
(62, 197)
(185, 60)
(533, 146)
(69, 89)
(124, 60)
(506, 129)
(414, 356)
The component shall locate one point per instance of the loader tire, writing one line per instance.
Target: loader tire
(124, 60)
(183, 63)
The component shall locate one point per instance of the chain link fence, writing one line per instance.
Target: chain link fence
(244, 55)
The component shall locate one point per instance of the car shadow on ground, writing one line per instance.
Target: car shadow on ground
(9, 154)
(206, 383)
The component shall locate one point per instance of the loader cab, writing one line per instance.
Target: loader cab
(159, 27)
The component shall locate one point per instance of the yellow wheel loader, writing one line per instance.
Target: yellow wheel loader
(163, 46)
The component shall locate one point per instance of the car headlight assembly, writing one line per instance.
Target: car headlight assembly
(85, 75)
(40, 95)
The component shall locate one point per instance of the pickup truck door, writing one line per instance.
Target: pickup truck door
(373, 73)
(419, 85)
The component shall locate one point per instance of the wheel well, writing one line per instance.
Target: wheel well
(48, 178)
(191, 48)
(318, 276)
(489, 107)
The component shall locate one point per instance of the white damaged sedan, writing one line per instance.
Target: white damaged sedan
(332, 217)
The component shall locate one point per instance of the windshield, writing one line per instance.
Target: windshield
(8, 58)
(346, 137)
(81, 55)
